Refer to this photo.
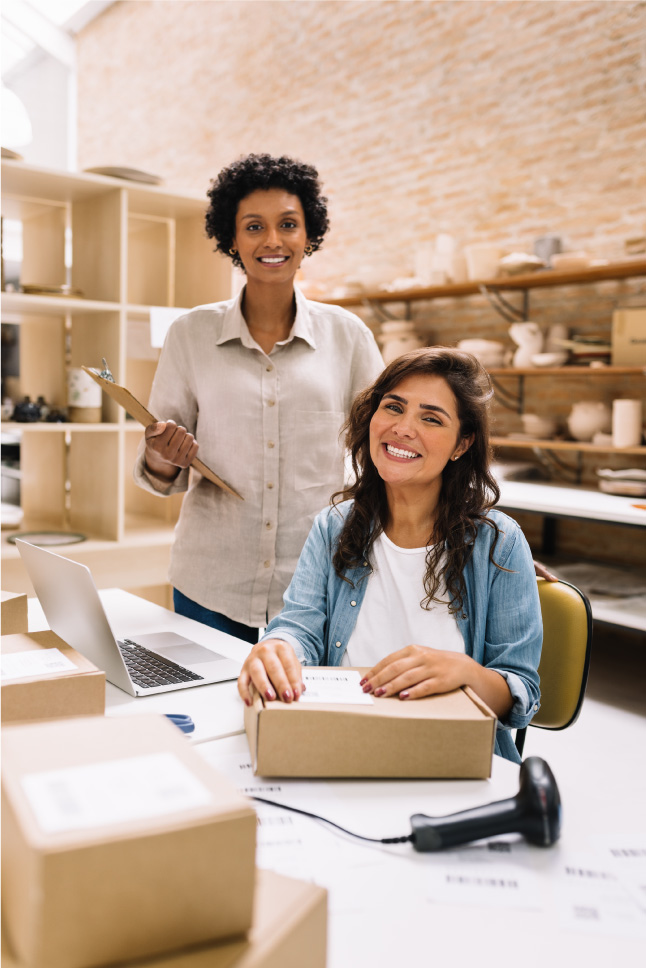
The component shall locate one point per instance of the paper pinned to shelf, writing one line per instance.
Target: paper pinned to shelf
(137, 410)
(161, 318)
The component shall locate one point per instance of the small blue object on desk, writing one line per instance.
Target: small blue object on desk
(185, 723)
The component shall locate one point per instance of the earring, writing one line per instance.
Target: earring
(233, 251)
(454, 458)
(309, 248)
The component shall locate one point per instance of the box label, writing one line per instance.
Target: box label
(36, 662)
(114, 792)
(336, 685)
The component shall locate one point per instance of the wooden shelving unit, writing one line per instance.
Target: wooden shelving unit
(531, 280)
(132, 247)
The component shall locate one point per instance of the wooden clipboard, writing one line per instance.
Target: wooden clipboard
(137, 410)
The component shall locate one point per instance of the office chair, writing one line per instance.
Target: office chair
(565, 659)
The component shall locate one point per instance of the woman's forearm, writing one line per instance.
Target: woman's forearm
(491, 687)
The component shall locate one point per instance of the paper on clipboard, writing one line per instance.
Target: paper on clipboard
(137, 410)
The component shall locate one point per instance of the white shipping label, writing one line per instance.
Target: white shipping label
(39, 662)
(334, 685)
(117, 791)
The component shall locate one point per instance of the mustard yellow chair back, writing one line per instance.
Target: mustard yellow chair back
(565, 659)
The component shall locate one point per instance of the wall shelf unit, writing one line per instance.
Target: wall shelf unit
(556, 500)
(627, 269)
(126, 247)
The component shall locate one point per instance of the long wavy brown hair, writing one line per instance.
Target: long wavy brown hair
(468, 488)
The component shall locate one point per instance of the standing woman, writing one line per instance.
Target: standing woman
(264, 382)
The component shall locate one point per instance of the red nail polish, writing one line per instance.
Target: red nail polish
(380, 691)
(247, 702)
(404, 695)
(363, 681)
(287, 696)
(367, 687)
(270, 694)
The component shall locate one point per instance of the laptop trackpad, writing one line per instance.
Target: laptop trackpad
(177, 648)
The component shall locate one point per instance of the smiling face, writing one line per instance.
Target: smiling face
(270, 235)
(415, 432)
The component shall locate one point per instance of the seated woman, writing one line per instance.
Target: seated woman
(414, 575)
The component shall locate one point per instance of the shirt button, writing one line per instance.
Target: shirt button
(338, 645)
(269, 369)
(270, 444)
(535, 708)
(268, 525)
(270, 403)
(270, 484)
(353, 603)
(267, 564)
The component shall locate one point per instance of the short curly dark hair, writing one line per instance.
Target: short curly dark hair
(255, 172)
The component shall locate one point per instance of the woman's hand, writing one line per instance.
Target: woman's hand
(168, 448)
(542, 572)
(274, 670)
(418, 671)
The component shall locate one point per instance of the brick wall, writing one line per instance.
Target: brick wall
(487, 120)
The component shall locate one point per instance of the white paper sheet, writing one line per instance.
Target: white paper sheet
(161, 318)
(39, 662)
(334, 686)
(113, 792)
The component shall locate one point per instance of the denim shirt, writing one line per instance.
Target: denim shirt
(501, 624)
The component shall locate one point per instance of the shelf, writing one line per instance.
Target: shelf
(41, 426)
(573, 370)
(22, 304)
(571, 445)
(533, 280)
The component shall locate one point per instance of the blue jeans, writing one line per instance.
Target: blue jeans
(215, 620)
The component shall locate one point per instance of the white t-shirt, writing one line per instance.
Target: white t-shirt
(391, 616)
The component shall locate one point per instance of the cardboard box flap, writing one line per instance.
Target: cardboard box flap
(459, 704)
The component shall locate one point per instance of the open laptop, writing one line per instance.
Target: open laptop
(142, 666)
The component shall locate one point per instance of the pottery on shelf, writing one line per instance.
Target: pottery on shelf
(398, 337)
(529, 339)
(587, 418)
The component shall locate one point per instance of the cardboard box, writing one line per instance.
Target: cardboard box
(44, 678)
(629, 336)
(118, 842)
(13, 617)
(289, 930)
(452, 735)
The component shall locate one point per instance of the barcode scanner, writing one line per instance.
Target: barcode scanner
(535, 812)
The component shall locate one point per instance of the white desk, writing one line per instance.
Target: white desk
(557, 500)
(389, 905)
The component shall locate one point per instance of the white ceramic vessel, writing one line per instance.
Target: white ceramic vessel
(587, 418)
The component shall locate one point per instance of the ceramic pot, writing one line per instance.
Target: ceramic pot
(529, 339)
(397, 338)
(587, 418)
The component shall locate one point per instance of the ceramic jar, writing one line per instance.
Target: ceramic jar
(398, 337)
(528, 337)
(587, 418)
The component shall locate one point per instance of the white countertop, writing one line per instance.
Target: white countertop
(571, 501)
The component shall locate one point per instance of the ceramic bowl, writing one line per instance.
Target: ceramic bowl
(549, 359)
(538, 426)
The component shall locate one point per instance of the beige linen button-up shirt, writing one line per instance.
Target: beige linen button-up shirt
(269, 426)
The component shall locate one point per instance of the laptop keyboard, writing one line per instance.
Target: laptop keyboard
(148, 669)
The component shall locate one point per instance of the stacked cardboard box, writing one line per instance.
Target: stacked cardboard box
(13, 612)
(43, 678)
(289, 931)
(118, 842)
